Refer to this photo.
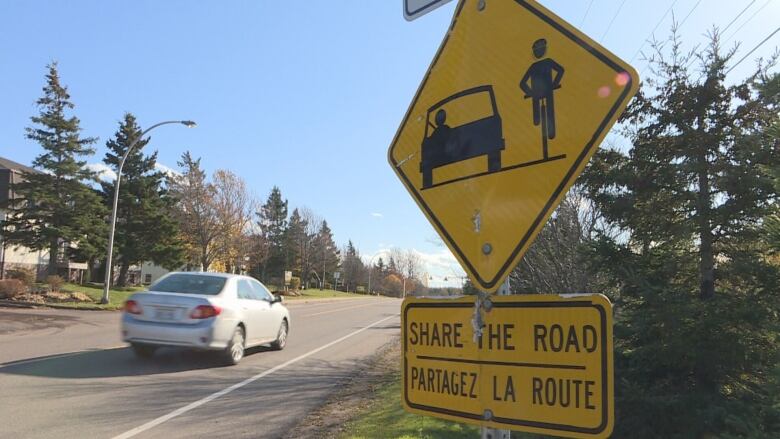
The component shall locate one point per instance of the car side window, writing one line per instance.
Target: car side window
(262, 291)
(245, 290)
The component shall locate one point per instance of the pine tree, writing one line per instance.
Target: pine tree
(696, 332)
(273, 224)
(58, 207)
(352, 267)
(145, 230)
(325, 253)
(295, 242)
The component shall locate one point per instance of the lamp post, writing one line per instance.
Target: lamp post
(107, 284)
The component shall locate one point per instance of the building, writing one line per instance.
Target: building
(15, 257)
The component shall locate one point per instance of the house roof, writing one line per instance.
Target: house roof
(12, 165)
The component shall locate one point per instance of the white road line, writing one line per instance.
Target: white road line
(340, 309)
(155, 422)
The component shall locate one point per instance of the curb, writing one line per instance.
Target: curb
(32, 305)
(288, 302)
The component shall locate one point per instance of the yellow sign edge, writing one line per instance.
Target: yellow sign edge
(600, 52)
(599, 301)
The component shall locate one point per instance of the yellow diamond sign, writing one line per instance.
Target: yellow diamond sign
(513, 106)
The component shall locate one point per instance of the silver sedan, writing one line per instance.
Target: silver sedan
(210, 311)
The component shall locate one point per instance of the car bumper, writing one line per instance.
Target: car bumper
(208, 334)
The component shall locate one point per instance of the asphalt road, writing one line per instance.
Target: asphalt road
(66, 374)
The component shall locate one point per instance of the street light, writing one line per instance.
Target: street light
(107, 284)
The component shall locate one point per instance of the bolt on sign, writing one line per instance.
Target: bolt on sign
(513, 106)
(543, 363)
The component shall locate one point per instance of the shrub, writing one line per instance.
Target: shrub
(10, 288)
(54, 282)
(25, 276)
(295, 283)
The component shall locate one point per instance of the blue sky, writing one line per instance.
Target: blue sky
(306, 95)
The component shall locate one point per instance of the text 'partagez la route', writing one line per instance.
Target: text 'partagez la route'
(542, 362)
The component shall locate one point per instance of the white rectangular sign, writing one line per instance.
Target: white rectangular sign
(417, 8)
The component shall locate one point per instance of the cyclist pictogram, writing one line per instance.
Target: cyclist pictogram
(539, 84)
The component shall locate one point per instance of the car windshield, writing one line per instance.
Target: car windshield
(190, 284)
(462, 110)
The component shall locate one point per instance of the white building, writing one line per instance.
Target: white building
(14, 257)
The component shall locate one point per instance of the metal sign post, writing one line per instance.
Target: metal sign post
(489, 432)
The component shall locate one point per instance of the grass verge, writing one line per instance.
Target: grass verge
(117, 297)
(312, 293)
(385, 418)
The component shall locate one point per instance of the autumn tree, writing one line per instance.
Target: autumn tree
(195, 211)
(234, 207)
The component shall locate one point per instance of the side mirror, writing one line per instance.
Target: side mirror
(278, 299)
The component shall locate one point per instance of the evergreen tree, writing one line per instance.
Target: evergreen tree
(57, 208)
(273, 224)
(353, 269)
(696, 335)
(145, 229)
(295, 243)
(325, 253)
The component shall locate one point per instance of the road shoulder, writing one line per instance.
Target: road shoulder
(353, 396)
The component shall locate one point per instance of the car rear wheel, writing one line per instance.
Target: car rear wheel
(234, 351)
(281, 337)
(143, 350)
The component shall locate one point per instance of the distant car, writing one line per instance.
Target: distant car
(460, 127)
(209, 311)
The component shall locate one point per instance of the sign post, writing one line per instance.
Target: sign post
(514, 104)
(542, 363)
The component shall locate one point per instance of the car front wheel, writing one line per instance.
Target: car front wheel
(281, 338)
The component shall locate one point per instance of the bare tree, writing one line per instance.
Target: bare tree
(195, 211)
(555, 262)
(408, 266)
(312, 223)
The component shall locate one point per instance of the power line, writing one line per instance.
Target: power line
(689, 14)
(753, 50)
(679, 26)
(652, 31)
(747, 21)
(738, 15)
(586, 13)
(609, 26)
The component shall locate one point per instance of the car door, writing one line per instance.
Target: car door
(252, 309)
(272, 317)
